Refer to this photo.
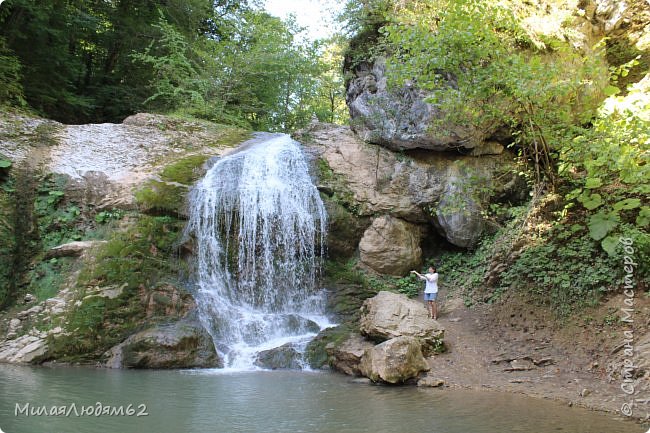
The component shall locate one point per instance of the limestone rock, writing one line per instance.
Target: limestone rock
(391, 246)
(283, 357)
(394, 361)
(368, 180)
(72, 249)
(23, 350)
(346, 357)
(458, 215)
(178, 345)
(388, 315)
(401, 119)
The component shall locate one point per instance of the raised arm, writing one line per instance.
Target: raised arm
(420, 276)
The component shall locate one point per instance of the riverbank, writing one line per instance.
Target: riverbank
(515, 346)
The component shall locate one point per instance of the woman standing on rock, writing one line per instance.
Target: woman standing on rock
(430, 290)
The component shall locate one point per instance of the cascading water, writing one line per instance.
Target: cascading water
(258, 224)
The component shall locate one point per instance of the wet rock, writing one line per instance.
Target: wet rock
(283, 357)
(182, 344)
(431, 382)
(346, 357)
(394, 361)
(391, 246)
(388, 315)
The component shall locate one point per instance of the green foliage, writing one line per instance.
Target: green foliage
(97, 325)
(5, 163)
(58, 220)
(11, 88)
(48, 277)
(608, 166)
(108, 215)
(549, 270)
(7, 243)
(140, 256)
(176, 81)
(161, 197)
(484, 71)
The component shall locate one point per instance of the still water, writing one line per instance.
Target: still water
(206, 401)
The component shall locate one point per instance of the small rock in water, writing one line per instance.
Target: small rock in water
(432, 382)
(362, 380)
(585, 392)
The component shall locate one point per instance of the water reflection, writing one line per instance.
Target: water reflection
(200, 401)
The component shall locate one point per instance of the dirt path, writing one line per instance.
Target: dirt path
(515, 347)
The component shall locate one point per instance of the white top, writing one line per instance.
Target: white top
(432, 282)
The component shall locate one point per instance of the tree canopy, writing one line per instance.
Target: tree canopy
(82, 61)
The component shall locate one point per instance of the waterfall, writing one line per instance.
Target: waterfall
(258, 225)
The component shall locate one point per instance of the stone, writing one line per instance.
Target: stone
(14, 324)
(388, 315)
(431, 382)
(181, 344)
(72, 249)
(391, 246)
(400, 119)
(394, 361)
(346, 357)
(25, 349)
(283, 357)
(36, 309)
(29, 298)
(459, 214)
(520, 365)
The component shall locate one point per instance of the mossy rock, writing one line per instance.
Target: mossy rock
(316, 351)
(162, 198)
(185, 171)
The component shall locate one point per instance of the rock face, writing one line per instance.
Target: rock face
(400, 119)
(104, 162)
(458, 215)
(283, 357)
(23, 350)
(394, 361)
(389, 315)
(179, 345)
(367, 180)
(391, 246)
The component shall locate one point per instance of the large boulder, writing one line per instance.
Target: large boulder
(182, 344)
(346, 356)
(389, 315)
(401, 119)
(391, 246)
(394, 361)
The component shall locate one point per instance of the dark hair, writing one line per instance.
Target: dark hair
(432, 267)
